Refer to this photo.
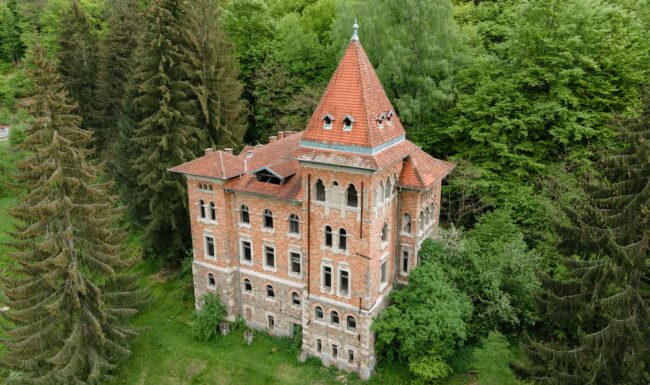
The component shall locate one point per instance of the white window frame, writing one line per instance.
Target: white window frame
(343, 268)
(243, 284)
(241, 250)
(266, 293)
(275, 257)
(211, 286)
(205, 246)
(401, 260)
(323, 288)
(290, 271)
(297, 306)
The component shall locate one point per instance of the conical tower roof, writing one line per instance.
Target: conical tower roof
(355, 93)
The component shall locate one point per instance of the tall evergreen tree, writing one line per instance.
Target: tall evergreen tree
(69, 290)
(211, 71)
(11, 45)
(601, 299)
(115, 67)
(167, 135)
(78, 60)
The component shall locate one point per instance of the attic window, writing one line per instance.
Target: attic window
(389, 116)
(249, 154)
(267, 177)
(327, 122)
(347, 123)
(380, 119)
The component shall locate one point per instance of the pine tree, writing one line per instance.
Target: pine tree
(602, 301)
(78, 60)
(166, 136)
(115, 67)
(209, 67)
(69, 290)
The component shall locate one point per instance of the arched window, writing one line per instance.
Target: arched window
(406, 223)
(294, 224)
(389, 189)
(343, 239)
(352, 323)
(244, 216)
(270, 293)
(248, 287)
(379, 194)
(201, 208)
(348, 121)
(320, 191)
(213, 212)
(328, 236)
(211, 281)
(352, 198)
(384, 233)
(334, 318)
(427, 216)
(318, 313)
(268, 219)
(295, 299)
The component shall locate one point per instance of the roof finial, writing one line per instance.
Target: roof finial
(355, 30)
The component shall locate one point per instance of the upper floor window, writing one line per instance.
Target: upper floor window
(405, 261)
(294, 224)
(352, 196)
(406, 223)
(209, 246)
(328, 236)
(248, 287)
(205, 187)
(246, 251)
(343, 239)
(384, 233)
(244, 215)
(213, 212)
(295, 299)
(269, 256)
(327, 121)
(348, 121)
(389, 189)
(334, 318)
(201, 208)
(211, 281)
(344, 282)
(352, 323)
(383, 273)
(318, 313)
(320, 191)
(295, 263)
(268, 219)
(270, 292)
(327, 278)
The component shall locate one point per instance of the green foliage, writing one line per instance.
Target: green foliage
(68, 291)
(493, 266)
(11, 45)
(429, 369)
(17, 134)
(598, 299)
(492, 361)
(205, 325)
(428, 314)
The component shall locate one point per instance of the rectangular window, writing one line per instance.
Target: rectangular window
(327, 278)
(269, 256)
(246, 251)
(271, 322)
(383, 272)
(209, 246)
(405, 261)
(295, 263)
(335, 351)
(319, 346)
(344, 282)
(350, 356)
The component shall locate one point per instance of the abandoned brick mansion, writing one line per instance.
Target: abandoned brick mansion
(315, 228)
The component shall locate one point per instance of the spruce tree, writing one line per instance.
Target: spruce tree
(69, 290)
(78, 60)
(211, 71)
(601, 298)
(115, 67)
(166, 136)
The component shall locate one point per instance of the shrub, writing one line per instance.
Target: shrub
(17, 134)
(206, 321)
(429, 369)
(492, 361)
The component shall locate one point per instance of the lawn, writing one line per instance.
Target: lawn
(166, 354)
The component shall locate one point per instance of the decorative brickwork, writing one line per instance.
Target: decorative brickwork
(314, 229)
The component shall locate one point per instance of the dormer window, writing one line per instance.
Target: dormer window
(327, 121)
(348, 121)
(389, 116)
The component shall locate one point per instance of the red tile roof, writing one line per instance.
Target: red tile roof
(354, 90)
(421, 170)
(218, 164)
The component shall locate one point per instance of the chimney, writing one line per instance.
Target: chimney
(280, 135)
(228, 150)
(272, 138)
(287, 133)
(208, 150)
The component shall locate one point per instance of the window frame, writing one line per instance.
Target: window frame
(213, 211)
(324, 275)
(267, 219)
(206, 246)
(242, 252)
(270, 295)
(244, 210)
(347, 323)
(318, 309)
(334, 313)
(202, 209)
(319, 189)
(329, 236)
(247, 283)
(339, 285)
(294, 302)
(212, 285)
(343, 236)
(291, 256)
(294, 224)
(351, 191)
(266, 248)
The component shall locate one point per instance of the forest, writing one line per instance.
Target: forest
(539, 273)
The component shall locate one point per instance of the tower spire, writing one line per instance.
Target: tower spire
(355, 30)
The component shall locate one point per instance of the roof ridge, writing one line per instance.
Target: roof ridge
(223, 168)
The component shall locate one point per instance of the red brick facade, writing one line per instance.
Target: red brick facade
(314, 229)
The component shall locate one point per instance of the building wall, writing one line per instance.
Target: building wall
(296, 296)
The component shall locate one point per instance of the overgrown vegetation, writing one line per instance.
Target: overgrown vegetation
(205, 325)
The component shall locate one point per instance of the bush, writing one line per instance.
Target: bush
(206, 322)
(429, 369)
(492, 361)
(17, 134)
